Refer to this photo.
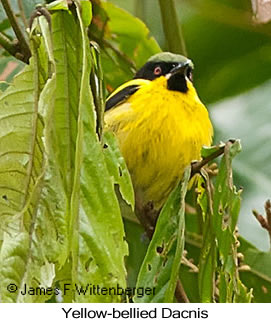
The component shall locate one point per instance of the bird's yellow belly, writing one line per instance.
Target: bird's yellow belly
(158, 139)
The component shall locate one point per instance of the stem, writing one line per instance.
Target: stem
(120, 54)
(195, 167)
(22, 15)
(25, 50)
(147, 217)
(180, 293)
(8, 45)
(172, 28)
(140, 9)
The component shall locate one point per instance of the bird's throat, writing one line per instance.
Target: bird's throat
(177, 82)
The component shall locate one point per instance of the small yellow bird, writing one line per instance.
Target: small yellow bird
(161, 125)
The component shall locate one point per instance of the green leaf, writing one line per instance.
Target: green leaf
(220, 214)
(226, 203)
(57, 196)
(86, 12)
(97, 257)
(58, 5)
(207, 265)
(97, 86)
(117, 168)
(161, 265)
(208, 151)
(22, 180)
(207, 258)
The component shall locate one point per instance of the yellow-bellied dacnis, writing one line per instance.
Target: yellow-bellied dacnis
(160, 123)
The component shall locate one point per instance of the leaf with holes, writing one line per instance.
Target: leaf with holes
(160, 268)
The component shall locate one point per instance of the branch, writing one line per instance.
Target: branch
(172, 28)
(180, 293)
(24, 48)
(265, 222)
(117, 51)
(196, 167)
(9, 46)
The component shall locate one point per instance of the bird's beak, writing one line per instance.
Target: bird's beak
(180, 68)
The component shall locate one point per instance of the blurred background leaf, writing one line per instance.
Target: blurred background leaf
(248, 116)
(232, 56)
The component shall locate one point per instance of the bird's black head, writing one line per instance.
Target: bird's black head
(177, 68)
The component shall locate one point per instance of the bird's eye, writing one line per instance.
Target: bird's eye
(189, 74)
(157, 70)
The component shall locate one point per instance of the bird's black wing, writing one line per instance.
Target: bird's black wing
(121, 96)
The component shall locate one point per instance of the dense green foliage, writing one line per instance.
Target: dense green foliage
(62, 183)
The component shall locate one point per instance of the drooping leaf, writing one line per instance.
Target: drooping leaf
(97, 255)
(58, 184)
(22, 177)
(117, 168)
(161, 264)
(207, 260)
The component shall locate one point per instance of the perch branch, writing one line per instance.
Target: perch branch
(196, 167)
(23, 45)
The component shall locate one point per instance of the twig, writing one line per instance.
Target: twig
(147, 216)
(189, 263)
(9, 46)
(24, 47)
(180, 293)
(265, 222)
(118, 52)
(22, 14)
(40, 11)
(196, 167)
(268, 212)
(172, 27)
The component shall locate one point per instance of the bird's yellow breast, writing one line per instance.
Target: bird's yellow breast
(160, 132)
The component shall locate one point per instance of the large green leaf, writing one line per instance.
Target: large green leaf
(60, 218)
(98, 255)
(23, 165)
(163, 258)
(220, 207)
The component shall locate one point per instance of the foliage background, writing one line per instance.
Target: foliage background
(232, 60)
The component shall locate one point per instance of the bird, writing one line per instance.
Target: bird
(160, 124)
